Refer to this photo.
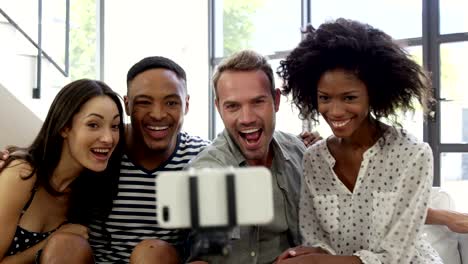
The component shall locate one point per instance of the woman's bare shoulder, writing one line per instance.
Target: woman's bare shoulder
(19, 169)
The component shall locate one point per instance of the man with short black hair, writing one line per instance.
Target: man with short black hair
(156, 101)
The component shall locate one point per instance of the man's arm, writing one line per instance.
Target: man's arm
(455, 221)
(321, 258)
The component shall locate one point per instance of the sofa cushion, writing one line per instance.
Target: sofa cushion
(463, 247)
(444, 241)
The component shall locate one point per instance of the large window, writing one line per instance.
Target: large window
(434, 32)
(454, 92)
(453, 119)
(453, 18)
(375, 13)
(84, 61)
(248, 24)
(174, 29)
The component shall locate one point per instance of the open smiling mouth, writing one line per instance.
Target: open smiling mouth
(339, 124)
(101, 153)
(157, 132)
(251, 136)
(157, 128)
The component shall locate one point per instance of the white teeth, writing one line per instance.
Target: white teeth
(340, 124)
(157, 128)
(250, 130)
(101, 150)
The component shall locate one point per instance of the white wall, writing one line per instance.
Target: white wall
(18, 125)
(177, 29)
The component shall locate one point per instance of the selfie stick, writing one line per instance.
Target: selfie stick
(213, 240)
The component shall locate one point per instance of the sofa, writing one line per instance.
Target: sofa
(452, 247)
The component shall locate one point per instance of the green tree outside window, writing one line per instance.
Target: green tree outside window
(83, 39)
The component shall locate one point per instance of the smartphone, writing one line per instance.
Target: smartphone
(213, 198)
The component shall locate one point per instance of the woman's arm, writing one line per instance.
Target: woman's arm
(14, 194)
(26, 256)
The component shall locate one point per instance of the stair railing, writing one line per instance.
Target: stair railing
(38, 45)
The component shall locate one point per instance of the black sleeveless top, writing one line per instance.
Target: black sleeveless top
(23, 238)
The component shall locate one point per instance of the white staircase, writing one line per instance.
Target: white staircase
(18, 125)
(20, 115)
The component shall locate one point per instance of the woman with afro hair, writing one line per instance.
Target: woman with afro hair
(366, 188)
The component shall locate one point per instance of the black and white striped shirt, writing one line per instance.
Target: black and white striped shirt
(133, 217)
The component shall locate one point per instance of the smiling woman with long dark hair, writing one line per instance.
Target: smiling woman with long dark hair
(60, 182)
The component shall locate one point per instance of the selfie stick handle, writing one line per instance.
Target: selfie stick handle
(194, 206)
(213, 240)
(230, 198)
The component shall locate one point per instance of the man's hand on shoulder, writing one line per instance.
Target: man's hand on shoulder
(4, 154)
(457, 222)
(309, 138)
